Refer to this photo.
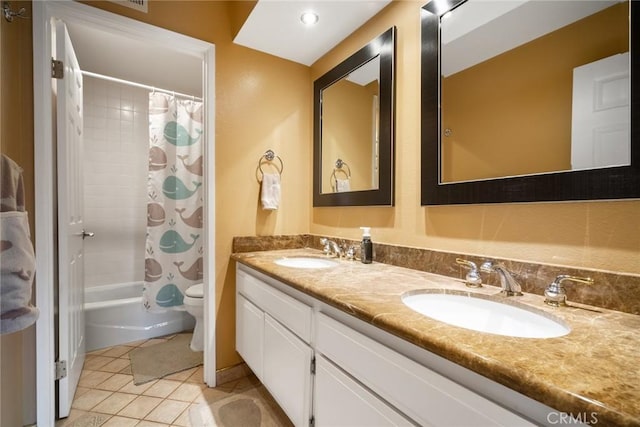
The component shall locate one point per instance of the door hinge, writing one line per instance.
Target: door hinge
(313, 365)
(61, 369)
(312, 421)
(57, 69)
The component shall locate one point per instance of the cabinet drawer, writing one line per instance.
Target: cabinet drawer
(340, 401)
(293, 314)
(418, 392)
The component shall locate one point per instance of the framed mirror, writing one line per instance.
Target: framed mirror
(527, 101)
(353, 128)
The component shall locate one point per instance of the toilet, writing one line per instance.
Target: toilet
(194, 304)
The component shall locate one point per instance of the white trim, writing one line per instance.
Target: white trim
(210, 218)
(45, 177)
(44, 216)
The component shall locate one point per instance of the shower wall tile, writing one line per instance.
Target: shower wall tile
(116, 155)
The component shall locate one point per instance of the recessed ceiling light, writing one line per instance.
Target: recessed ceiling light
(309, 18)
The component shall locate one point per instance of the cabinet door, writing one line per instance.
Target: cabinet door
(287, 371)
(418, 392)
(339, 400)
(250, 334)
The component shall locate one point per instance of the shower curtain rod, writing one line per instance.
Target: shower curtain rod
(140, 85)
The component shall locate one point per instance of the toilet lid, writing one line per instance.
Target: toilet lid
(195, 291)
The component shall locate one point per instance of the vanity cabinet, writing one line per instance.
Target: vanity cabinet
(359, 378)
(418, 392)
(340, 400)
(272, 336)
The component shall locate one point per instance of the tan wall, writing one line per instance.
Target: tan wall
(511, 114)
(347, 120)
(602, 235)
(262, 102)
(17, 355)
(11, 380)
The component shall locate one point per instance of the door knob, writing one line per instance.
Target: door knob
(86, 234)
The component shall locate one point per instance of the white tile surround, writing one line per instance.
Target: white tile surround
(115, 181)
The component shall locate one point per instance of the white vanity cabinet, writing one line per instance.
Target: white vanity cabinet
(272, 335)
(341, 401)
(421, 394)
(363, 376)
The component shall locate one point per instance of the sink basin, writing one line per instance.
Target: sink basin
(306, 262)
(485, 315)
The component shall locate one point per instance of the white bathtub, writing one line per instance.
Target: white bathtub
(114, 315)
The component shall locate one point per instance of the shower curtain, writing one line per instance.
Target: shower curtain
(174, 250)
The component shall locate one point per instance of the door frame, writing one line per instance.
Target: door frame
(45, 178)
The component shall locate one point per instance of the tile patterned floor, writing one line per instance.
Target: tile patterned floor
(107, 397)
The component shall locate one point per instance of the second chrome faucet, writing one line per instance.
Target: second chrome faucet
(510, 286)
(555, 294)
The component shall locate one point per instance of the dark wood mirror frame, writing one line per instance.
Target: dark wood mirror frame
(621, 182)
(383, 45)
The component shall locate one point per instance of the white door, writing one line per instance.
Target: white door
(71, 339)
(600, 129)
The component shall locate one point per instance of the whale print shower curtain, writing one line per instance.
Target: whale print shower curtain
(174, 248)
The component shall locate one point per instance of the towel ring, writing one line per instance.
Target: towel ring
(268, 157)
(339, 167)
(9, 14)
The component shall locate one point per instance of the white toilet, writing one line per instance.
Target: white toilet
(194, 304)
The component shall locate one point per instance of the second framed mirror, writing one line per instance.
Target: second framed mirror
(354, 128)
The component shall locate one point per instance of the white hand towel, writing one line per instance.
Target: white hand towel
(270, 194)
(343, 185)
(17, 269)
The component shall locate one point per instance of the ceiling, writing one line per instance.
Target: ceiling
(139, 61)
(366, 73)
(274, 26)
(483, 29)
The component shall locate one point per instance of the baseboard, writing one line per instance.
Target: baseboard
(232, 373)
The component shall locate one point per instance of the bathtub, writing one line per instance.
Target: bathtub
(114, 315)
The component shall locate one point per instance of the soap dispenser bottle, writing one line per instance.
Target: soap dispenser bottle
(366, 246)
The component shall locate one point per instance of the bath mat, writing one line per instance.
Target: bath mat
(160, 360)
(251, 408)
(88, 420)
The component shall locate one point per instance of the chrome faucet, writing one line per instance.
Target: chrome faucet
(472, 279)
(350, 254)
(331, 247)
(510, 287)
(555, 294)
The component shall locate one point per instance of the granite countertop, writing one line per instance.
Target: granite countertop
(594, 369)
